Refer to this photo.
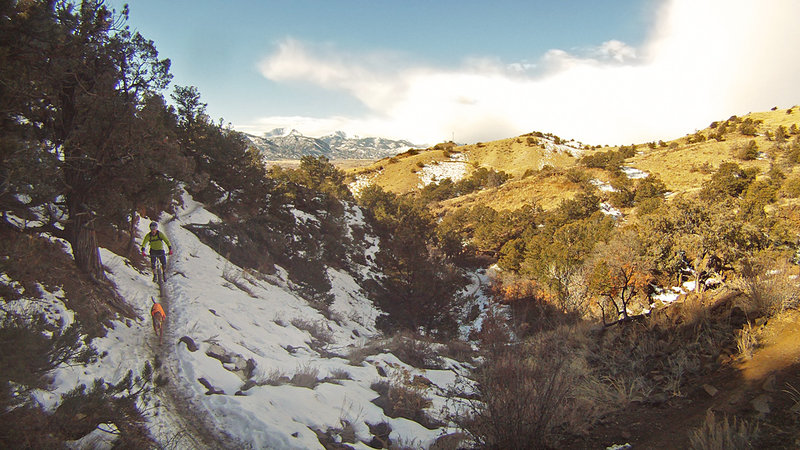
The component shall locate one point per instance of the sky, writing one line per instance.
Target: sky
(607, 73)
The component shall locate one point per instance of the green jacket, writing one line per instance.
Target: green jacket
(156, 242)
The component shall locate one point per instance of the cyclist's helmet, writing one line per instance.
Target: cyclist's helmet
(153, 225)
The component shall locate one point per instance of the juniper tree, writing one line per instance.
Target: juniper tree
(75, 81)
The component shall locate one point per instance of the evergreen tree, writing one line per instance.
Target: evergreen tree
(75, 85)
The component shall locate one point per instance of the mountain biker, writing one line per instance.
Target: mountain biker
(156, 239)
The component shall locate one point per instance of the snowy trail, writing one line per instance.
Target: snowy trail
(254, 335)
(196, 427)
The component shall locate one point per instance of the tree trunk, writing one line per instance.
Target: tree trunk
(134, 220)
(83, 239)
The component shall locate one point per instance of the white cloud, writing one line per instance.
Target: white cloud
(703, 61)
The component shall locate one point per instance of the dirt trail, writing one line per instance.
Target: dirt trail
(780, 349)
(754, 390)
(196, 429)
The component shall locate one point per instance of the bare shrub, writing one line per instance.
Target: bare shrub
(518, 403)
(459, 350)
(405, 396)
(768, 286)
(415, 350)
(408, 397)
(340, 374)
(307, 376)
(723, 434)
(524, 394)
(317, 329)
(746, 341)
(238, 278)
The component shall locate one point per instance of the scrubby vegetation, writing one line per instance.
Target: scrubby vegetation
(568, 268)
(576, 330)
(480, 179)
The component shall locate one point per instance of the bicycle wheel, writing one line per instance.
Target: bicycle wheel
(159, 272)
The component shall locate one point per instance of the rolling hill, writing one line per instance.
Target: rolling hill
(540, 163)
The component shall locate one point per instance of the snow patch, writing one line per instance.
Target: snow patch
(455, 169)
(634, 173)
(602, 185)
(609, 210)
(362, 181)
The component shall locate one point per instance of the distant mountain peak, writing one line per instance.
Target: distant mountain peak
(282, 143)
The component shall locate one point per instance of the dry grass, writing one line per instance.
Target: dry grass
(794, 396)
(514, 156)
(546, 191)
(317, 329)
(724, 434)
(683, 166)
(238, 278)
(307, 376)
(769, 288)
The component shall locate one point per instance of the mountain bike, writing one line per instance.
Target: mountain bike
(160, 272)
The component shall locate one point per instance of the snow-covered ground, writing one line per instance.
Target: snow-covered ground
(602, 185)
(607, 209)
(362, 181)
(268, 369)
(571, 149)
(455, 169)
(634, 173)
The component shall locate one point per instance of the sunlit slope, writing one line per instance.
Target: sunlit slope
(544, 168)
(684, 164)
(515, 156)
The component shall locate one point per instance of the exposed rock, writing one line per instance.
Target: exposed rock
(217, 352)
(769, 384)
(448, 441)
(248, 385)
(211, 389)
(710, 390)
(419, 380)
(761, 403)
(190, 345)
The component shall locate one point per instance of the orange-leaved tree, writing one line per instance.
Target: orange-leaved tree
(619, 273)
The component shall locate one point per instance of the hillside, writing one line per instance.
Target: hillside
(682, 164)
(310, 320)
(525, 293)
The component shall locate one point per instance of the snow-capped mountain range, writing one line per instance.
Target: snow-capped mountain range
(280, 144)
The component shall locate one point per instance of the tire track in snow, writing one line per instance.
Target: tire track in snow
(197, 429)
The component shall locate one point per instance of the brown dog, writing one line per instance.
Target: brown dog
(159, 317)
